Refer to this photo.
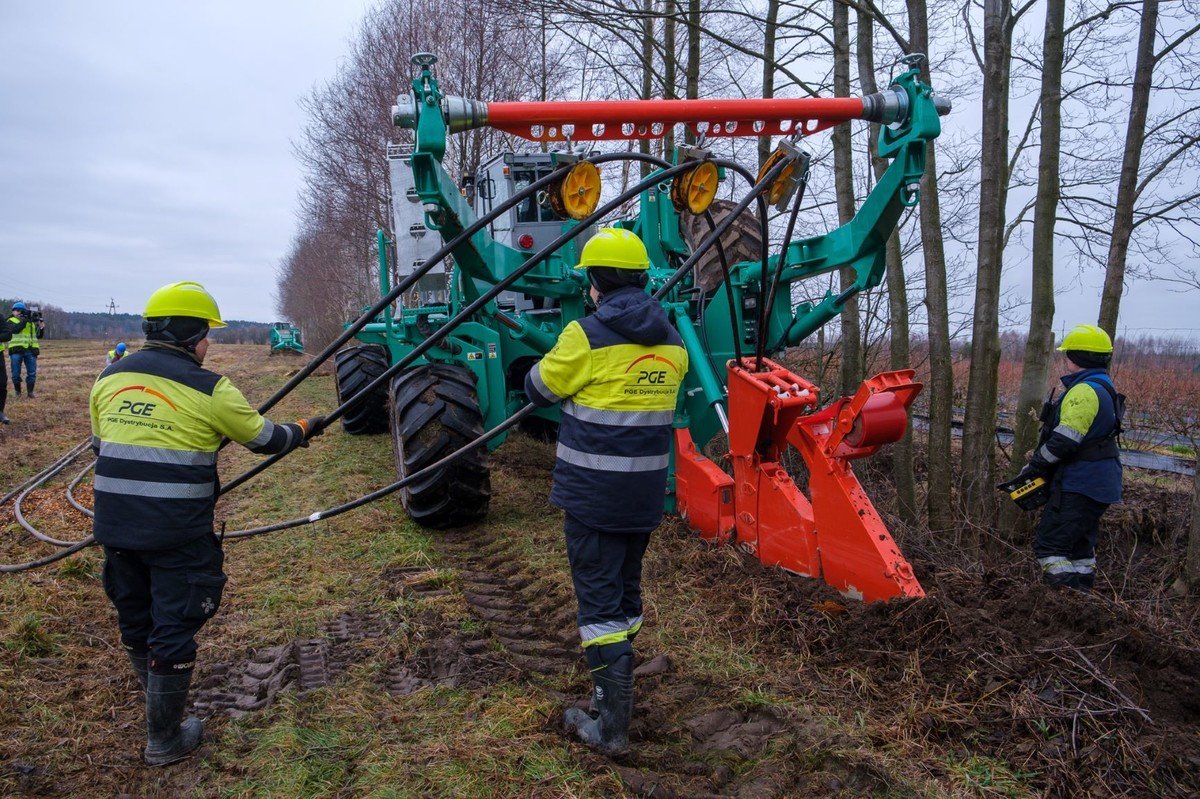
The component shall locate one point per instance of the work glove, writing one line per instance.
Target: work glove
(1032, 470)
(312, 427)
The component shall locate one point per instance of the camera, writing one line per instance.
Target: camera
(33, 313)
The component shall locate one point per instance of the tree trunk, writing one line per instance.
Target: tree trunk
(939, 499)
(670, 65)
(1035, 369)
(768, 73)
(979, 419)
(1131, 161)
(843, 180)
(898, 345)
(647, 70)
(1191, 563)
(692, 69)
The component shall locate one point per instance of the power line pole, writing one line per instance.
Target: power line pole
(112, 307)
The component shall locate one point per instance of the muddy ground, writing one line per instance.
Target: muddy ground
(751, 683)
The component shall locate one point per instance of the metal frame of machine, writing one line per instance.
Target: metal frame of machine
(833, 531)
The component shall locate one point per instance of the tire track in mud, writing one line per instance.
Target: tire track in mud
(690, 740)
(532, 618)
(303, 665)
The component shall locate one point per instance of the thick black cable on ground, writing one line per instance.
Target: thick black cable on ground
(71, 486)
(467, 312)
(20, 516)
(337, 510)
(49, 471)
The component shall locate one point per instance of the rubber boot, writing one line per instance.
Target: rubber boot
(29, 388)
(612, 696)
(141, 665)
(4, 419)
(167, 740)
(17, 389)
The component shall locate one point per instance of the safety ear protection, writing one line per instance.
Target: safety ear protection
(160, 328)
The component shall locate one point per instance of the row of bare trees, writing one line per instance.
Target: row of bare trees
(1073, 149)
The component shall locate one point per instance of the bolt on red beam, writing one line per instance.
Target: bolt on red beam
(590, 120)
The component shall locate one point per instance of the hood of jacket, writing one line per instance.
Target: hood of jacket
(634, 314)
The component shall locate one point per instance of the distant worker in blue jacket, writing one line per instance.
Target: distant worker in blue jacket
(1078, 453)
(617, 374)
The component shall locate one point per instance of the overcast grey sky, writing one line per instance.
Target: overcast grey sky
(147, 142)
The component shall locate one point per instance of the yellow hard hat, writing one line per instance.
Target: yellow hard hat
(1086, 338)
(186, 298)
(615, 248)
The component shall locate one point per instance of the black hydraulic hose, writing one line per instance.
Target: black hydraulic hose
(467, 312)
(383, 492)
(49, 471)
(410, 280)
(756, 190)
(71, 491)
(328, 513)
(20, 516)
(9, 568)
(737, 332)
(761, 343)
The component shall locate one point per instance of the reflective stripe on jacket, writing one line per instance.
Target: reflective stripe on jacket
(617, 374)
(157, 422)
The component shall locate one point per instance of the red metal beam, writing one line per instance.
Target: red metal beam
(585, 120)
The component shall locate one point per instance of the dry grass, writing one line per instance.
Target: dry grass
(904, 714)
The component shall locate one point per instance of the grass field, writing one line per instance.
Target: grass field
(365, 657)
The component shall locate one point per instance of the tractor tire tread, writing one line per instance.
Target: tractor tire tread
(355, 368)
(435, 411)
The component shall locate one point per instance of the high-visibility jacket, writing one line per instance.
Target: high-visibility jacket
(113, 357)
(25, 335)
(617, 374)
(1078, 437)
(157, 422)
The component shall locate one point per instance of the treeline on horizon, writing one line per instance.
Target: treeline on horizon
(64, 324)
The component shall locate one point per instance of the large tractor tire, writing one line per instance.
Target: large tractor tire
(742, 241)
(435, 411)
(356, 368)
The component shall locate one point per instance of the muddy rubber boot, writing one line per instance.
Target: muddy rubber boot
(29, 388)
(167, 740)
(612, 696)
(141, 665)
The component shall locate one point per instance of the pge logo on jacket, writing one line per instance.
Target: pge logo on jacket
(141, 407)
(652, 373)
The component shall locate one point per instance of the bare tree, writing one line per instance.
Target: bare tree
(939, 501)
(843, 177)
(1035, 370)
(1135, 133)
(979, 419)
(897, 292)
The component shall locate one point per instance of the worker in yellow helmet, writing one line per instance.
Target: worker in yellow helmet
(158, 418)
(617, 374)
(1078, 454)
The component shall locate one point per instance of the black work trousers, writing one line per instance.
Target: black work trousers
(1065, 539)
(606, 569)
(163, 598)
